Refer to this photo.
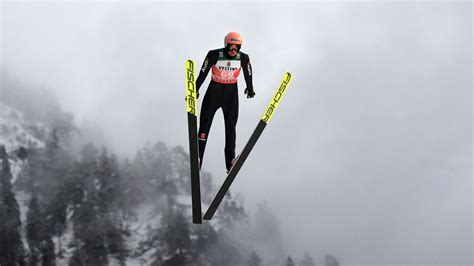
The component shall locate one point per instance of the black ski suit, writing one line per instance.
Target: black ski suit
(222, 93)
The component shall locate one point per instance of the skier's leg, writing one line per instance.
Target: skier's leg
(231, 114)
(208, 109)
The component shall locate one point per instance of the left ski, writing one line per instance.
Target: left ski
(280, 92)
(191, 101)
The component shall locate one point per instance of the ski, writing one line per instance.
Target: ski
(191, 102)
(267, 116)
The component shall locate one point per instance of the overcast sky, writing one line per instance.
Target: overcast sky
(369, 155)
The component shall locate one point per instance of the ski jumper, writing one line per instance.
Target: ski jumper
(222, 93)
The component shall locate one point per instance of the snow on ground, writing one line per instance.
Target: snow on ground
(15, 132)
(62, 244)
(146, 218)
(23, 198)
(16, 166)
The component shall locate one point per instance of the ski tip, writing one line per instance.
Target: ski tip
(190, 63)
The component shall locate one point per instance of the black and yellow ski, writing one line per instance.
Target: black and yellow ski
(267, 116)
(191, 101)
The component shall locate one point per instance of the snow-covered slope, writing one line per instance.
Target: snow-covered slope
(17, 132)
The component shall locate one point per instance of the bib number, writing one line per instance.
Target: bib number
(225, 74)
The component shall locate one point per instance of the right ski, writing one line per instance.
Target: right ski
(191, 100)
(279, 93)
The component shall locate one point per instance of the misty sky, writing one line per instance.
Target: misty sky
(369, 155)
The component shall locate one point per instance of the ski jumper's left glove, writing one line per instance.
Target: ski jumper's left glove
(250, 92)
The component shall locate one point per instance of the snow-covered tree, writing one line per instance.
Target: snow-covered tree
(37, 235)
(11, 245)
(254, 259)
(330, 260)
(307, 260)
(289, 261)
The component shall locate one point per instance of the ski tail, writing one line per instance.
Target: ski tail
(267, 116)
(191, 102)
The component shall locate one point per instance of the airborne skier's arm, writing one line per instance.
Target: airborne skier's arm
(209, 61)
(247, 67)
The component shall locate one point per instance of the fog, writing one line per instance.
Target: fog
(369, 155)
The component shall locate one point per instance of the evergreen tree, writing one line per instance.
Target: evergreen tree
(88, 224)
(289, 261)
(37, 235)
(162, 168)
(206, 238)
(76, 258)
(90, 242)
(34, 229)
(48, 256)
(11, 245)
(175, 238)
(132, 192)
(180, 160)
(108, 184)
(80, 180)
(266, 234)
(56, 212)
(55, 192)
(110, 199)
(98, 218)
(254, 259)
(307, 260)
(330, 260)
(141, 187)
(227, 251)
(230, 213)
(45, 175)
(115, 238)
(152, 168)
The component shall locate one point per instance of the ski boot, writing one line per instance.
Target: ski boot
(232, 163)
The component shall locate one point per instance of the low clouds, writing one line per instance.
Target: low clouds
(369, 156)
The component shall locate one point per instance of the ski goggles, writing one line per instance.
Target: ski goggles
(233, 47)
